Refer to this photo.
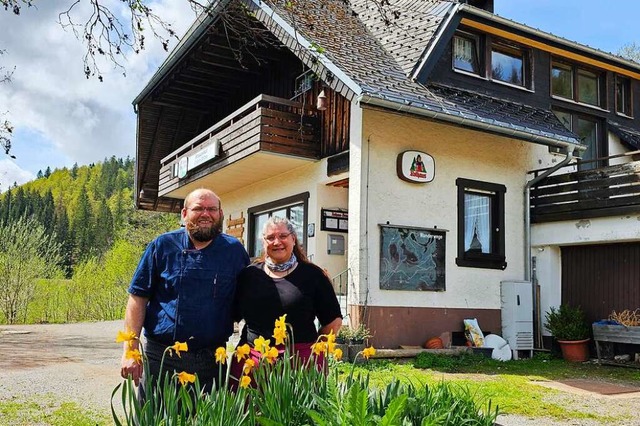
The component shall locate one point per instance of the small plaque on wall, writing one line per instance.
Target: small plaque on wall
(415, 167)
(334, 220)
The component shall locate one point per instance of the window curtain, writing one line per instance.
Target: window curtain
(477, 221)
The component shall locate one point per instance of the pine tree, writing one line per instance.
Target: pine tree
(81, 227)
(39, 175)
(47, 172)
(64, 239)
(47, 212)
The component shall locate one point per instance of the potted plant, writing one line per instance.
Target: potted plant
(353, 338)
(569, 326)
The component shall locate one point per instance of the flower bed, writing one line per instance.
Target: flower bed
(285, 391)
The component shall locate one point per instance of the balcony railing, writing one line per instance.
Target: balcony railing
(265, 124)
(597, 192)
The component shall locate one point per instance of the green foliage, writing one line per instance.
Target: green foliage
(289, 392)
(47, 410)
(89, 213)
(448, 363)
(567, 323)
(27, 253)
(349, 334)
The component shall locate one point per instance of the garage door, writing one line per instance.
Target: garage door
(601, 278)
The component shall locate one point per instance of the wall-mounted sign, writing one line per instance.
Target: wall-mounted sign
(202, 154)
(416, 167)
(207, 153)
(334, 220)
(183, 166)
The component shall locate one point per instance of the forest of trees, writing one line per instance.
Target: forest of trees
(71, 240)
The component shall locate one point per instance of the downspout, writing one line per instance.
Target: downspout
(527, 229)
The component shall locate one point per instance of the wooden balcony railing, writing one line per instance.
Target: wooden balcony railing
(266, 124)
(598, 192)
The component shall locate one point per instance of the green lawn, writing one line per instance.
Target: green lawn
(509, 385)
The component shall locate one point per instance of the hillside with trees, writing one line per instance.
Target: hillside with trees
(71, 240)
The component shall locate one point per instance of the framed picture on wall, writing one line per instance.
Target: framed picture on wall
(412, 258)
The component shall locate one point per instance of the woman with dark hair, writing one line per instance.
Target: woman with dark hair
(282, 281)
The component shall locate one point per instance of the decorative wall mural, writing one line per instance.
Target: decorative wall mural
(412, 258)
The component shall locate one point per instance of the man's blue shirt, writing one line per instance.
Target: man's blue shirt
(190, 291)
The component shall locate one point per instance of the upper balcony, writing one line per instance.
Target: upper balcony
(262, 139)
(596, 192)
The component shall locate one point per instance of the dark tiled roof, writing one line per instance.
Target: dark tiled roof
(629, 136)
(408, 32)
(374, 73)
(503, 113)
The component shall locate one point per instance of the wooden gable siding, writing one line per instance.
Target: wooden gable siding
(600, 192)
(334, 121)
(601, 278)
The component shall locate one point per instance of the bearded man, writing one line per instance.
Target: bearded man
(182, 291)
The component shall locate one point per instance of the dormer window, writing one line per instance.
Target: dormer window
(466, 53)
(507, 64)
(576, 83)
(623, 96)
(491, 58)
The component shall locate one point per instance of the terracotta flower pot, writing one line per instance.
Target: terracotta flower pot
(575, 350)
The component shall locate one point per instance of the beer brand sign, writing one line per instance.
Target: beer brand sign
(415, 167)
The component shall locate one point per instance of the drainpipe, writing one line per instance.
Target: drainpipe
(527, 229)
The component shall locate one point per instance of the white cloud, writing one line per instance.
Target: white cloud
(10, 173)
(83, 120)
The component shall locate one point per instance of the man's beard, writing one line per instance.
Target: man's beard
(205, 234)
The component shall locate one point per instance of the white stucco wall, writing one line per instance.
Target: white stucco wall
(311, 178)
(378, 196)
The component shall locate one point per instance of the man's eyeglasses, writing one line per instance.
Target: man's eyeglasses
(272, 238)
(200, 210)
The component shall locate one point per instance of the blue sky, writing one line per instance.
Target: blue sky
(61, 118)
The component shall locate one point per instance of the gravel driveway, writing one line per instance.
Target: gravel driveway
(80, 363)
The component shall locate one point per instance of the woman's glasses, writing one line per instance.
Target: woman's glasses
(272, 238)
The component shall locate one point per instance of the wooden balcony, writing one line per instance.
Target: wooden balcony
(598, 192)
(266, 136)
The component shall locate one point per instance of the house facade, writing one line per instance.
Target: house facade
(424, 176)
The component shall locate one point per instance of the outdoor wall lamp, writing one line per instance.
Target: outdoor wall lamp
(322, 102)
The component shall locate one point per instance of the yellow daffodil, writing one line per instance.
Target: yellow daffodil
(368, 352)
(221, 355)
(280, 334)
(280, 322)
(261, 345)
(331, 338)
(331, 347)
(134, 355)
(125, 336)
(178, 347)
(242, 352)
(319, 348)
(248, 366)
(337, 354)
(271, 355)
(245, 381)
(185, 378)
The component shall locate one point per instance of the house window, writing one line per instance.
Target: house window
(466, 53)
(293, 208)
(491, 58)
(588, 130)
(623, 96)
(576, 83)
(508, 64)
(480, 224)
